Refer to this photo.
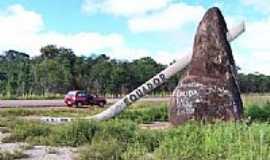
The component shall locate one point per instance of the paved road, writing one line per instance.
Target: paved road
(55, 103)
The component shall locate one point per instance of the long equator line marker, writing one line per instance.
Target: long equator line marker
(148, 86)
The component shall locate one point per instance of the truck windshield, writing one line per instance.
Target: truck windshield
(82, 94)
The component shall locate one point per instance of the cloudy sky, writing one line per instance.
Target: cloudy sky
(129, 29)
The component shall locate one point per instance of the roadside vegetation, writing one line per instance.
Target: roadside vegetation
(57, 112)
(58, 70)
(122, 138)
(5, 155)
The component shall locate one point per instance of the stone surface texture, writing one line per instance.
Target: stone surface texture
(209, 89)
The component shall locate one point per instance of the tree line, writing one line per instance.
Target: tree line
(58, 70)
(254, 83)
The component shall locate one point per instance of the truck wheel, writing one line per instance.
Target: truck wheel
(69, 104)
(79, 104)
(101, 104)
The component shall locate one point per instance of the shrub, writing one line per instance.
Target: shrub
(75, 134)
(149, 139)
(123, 130)
(103, 147)
(17, 154)
(27, 131)
(135, 151)
(261, 113)
(146, 115)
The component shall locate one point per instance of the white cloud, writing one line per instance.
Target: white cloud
(166, 57)
(260, 5)
(24, 30)
(83, 43)
(257, 35)
(91, 6)
(174, 17)
(123, 7)
(147, 15)
(19, 28)
(16, 15)
(253, 49)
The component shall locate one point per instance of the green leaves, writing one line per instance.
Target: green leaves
(59, 69)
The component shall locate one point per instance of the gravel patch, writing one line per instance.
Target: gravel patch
(156, 125)
(11, 147)
(50, 153)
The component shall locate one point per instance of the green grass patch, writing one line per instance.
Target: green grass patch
(56, 112)
(258, 112)
(121, 138)
(17, 154)
(216, 141)
(146, 113)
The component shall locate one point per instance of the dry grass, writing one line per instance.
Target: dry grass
(258, 99)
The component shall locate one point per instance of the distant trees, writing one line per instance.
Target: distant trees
(54, 70)
(256, 83)
(15, 68)
(3, 76)
(58, 70)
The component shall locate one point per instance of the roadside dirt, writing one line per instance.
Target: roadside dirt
(37, 152)
(156, 126)
(59, 103)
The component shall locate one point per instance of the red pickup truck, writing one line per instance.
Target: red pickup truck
(79, 98)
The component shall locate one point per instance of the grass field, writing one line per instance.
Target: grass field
(258, 99)
(122, 138)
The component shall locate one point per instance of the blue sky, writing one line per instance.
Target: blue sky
(130, 29)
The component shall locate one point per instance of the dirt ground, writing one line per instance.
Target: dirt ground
(59, 103)
(156, 126)
(37, 152)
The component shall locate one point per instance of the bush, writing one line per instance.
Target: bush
(123, 130)
(261, 113)
(135, 151)
(76, 133)
(27, 131)
(149, 139)
(120, 138)
(17, 154)
(146, 115)
(103, 147)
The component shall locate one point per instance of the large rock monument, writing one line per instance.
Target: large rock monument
(209, 89)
